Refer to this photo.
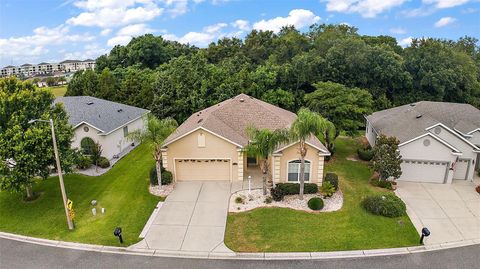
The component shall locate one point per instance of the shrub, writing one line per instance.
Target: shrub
(277, 194)
(167, 177)
(327, 189)
(268, 200)
(294, 188)
(333, 179)
(84, 162)
(239, 200)
(387, 205)
(365, 154)
(382, 183)
(315, 203)
(478, 189)
(103, 162)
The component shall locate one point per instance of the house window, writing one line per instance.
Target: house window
(201, 140)
(86, 129)
(125, 131)
(294, 170)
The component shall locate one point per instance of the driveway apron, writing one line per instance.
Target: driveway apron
(192, 218)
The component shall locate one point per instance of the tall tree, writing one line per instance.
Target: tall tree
(263, 143)
(155, 133)
(386, 157)
(26, 150)
(345, 107)
(306, 125)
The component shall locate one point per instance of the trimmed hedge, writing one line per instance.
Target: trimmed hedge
(333, 179)
(167, 177)
(282, 189)
(315, 203)
(387, 205)
(365, 154)
(84, 162)
(103, 162)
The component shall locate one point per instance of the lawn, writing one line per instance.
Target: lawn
(123, 192)
(278, 229)
(58, 91)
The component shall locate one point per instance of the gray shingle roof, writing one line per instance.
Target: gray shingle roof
(102, 114)
(231, 117)
(403, 123)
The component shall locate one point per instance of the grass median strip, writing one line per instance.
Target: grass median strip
(351, 228)
(123, 192)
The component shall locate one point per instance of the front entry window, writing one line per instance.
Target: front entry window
(294, 170)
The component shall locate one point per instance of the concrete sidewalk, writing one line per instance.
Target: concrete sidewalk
(450, 211)
(192, 218)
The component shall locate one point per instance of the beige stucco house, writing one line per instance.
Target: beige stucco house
(210, 144)
(439, 141)
(102, 121)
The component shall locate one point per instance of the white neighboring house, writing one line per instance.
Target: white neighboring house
(439, 141)
(105, 122)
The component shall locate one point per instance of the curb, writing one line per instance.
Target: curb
(241, 255)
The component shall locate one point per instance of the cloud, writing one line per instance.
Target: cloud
(241, 24)
(445, 3)
(405, 42)
(90, 51)
(366, 8)
(111, 13)
(105, 32)
(119, 40)
(26, 48)
(297, 17)
(202, 39)
(135, 30)
(444, 22)
(398, 30)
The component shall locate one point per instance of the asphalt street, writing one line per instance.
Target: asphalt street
(15, 254)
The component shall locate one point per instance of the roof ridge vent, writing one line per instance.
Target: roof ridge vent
(242, 100)
(90, 103)
(419, 116)
(413, 104)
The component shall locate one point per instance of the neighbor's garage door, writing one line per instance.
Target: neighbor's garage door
(461, 169)
(194, 169)
(424, 171)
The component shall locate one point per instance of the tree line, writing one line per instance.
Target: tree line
(331, 69)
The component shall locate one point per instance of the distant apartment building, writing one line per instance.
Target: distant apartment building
(30, 70)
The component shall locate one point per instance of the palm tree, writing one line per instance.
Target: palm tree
(155, 134)
(262, 144)
(306, 125)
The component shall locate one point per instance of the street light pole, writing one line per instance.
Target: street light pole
(59, 170)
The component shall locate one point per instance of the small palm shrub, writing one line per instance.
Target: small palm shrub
(327, 189)
(84, 162)
(103, 162)
(365, 154)
(268, 200)
(387, 205)
(382, 183)
(239, 200)
(333, 179)
(315, 203)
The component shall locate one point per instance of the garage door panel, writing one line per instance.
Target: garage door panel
(423, 171)
(202, 170)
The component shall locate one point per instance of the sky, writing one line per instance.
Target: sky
(34, 31)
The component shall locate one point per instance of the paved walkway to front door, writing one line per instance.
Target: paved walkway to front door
(450, 211)
(192, 218)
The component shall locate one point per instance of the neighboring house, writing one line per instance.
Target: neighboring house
(105, 122)
(439, 141)
(210, 144)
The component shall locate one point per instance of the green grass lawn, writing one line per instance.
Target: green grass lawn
(279, 229)
(123, 191)
(58, 91)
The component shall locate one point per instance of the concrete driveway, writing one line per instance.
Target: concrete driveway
(192, 218)
(450, 211)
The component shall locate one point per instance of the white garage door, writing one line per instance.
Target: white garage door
(424, 171)
(461, 169)
(195, 169)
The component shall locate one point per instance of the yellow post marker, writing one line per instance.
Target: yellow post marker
(69, 204)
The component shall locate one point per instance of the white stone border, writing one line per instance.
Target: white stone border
(240, 255)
